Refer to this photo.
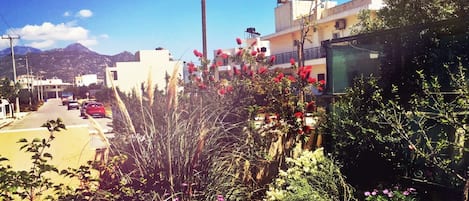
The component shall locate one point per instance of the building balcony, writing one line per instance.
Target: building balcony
(309, 54)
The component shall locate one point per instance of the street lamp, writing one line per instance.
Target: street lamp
(9, 37)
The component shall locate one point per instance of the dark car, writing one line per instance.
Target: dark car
(73, 104)
(95, 109)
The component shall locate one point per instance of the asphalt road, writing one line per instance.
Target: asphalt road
(53, 109)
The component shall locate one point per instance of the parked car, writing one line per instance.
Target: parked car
(95, 109)
(73, 104)
(83, 107)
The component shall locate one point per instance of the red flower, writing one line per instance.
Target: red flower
(276, 79)
(311, 106)
(211, 78)
(304, 72)
(236, 71)
(240, 52)
(229, 88)
(298, 114)
(219, 51)
(224, 56)
(311, 80)
(198, 54)
(300, 131)
(272, 59)
(191, 67)
(254, 53)
(219, 63)
(291, 78)
(322, 82)
(202, 86)
(292, 61)
(239, 41)
(262, 70)
(245, 68)
(280, 76)
(222, 91)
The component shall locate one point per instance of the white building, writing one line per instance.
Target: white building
(328, 21)
(151, 65)
(251, 37)
(86, 80)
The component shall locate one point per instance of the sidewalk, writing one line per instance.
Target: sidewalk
(7, 121)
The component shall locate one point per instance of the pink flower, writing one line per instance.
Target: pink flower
(280, 76)
(236, 71)
(311, 80)
(272, 59)
(219, 52)
(229, 88)
(224, 56)
(240, 52)
(222, 91)
(298, 114)
(245, 68)
(197, 53)
(253, 53)
(292, 61)
(191, 68)
(367, 193)
(239, 41)
(262, 70)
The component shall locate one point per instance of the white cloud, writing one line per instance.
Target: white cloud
(67, 14)
(41, 44)
(47, 34)
(85, 13)
(88, 42)
(49, 31)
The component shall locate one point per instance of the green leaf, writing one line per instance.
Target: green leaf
(48, 155)
(22, 140)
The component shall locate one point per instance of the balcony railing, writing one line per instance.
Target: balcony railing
(310, 53)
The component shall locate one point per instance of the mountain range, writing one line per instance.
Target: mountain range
(64, 63)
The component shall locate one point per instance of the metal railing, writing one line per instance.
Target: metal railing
(309, 53)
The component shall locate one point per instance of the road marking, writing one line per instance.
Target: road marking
(39, 128)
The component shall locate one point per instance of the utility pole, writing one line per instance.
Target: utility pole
(9, 37)
(204, 32)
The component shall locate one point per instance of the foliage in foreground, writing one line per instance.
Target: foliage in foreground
(425, 142)
(311, 176)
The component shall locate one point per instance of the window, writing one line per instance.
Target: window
(321, 76)
(335, 35)
(114, 75)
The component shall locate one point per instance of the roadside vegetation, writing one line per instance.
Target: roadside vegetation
(257, 133)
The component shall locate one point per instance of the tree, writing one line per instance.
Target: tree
(399, 13)
(8, 90)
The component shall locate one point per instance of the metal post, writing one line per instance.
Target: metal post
(14, 68)
(204, 31)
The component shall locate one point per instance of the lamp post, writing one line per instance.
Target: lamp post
(9, 37)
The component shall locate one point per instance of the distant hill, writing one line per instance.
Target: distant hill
(64, 63)
(19, 50)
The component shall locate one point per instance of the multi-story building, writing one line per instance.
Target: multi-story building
(327, 20)
(153, 66)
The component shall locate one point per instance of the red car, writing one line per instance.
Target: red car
(95, 109)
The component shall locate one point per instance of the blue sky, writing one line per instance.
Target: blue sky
(110, 27)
